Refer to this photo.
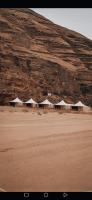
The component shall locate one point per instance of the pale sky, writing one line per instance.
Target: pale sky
(77, 19)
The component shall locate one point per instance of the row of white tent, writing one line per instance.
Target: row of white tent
(48, 103)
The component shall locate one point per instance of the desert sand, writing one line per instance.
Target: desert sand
(45, 152)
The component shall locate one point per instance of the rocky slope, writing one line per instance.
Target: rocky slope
(38, 56)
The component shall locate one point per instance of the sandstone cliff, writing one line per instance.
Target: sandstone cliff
(38, 56)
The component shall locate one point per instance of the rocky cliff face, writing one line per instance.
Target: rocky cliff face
(38, 56)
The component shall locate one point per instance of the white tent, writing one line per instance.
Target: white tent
(31, 101)
(61, 103)
(17, 100)
(80, 104)
(47, 103)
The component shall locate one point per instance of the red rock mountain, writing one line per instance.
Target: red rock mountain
(38, 56)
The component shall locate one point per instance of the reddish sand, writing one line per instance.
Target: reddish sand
(48, 152)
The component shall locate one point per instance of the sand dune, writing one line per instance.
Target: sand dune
(48, 152)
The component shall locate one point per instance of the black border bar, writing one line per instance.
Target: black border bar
(50, 196)
(44, 4)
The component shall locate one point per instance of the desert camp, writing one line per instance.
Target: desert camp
(46, 104)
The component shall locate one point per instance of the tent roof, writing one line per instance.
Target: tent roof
(17, 100)
(61, 103)
(31, 101)
(46, 102)
(80, 104)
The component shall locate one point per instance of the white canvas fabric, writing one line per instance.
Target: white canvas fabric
(31, 101)
(17, 100)
(80, 104)
(46, 102)
(61, 103)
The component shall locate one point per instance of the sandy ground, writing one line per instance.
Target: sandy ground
(47, 152)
